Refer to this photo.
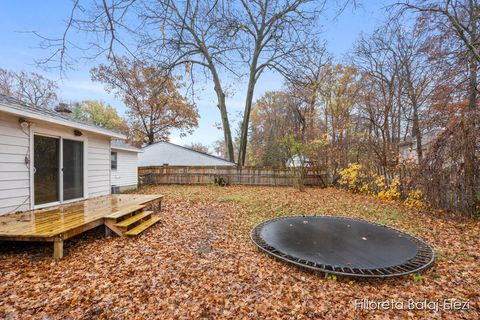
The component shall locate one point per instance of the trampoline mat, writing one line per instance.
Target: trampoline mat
(341, 245)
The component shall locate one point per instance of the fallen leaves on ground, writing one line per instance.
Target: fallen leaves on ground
(199, 263)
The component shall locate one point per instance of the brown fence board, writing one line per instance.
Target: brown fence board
(233, 175)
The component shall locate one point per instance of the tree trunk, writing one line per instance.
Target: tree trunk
(242, 152)
(416, 132)
(227, 134)
(151, 138)
(386, 124)
(470, 138)
(471, 123)
(309, 122)
(226, 126)
(386, 138)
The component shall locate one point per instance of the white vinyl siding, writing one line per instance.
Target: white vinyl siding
(98, 166)
(126, 174)
(14, 173)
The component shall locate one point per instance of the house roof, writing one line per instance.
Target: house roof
(408, 141)
(22, 109)
(203, 154)
(120, 145)
(427, 137)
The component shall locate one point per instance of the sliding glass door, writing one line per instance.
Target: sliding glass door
(72, 169)
(46, 173)
(54, 182)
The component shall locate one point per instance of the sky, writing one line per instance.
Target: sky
(19, 49)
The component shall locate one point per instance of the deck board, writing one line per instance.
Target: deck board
(63, 220)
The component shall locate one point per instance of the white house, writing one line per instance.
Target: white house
(48, 158)
(407, 149)
(298, 160)
(169, 154)
(124, 163)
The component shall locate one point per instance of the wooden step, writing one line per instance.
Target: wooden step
(125, 211)
(133, 219)
(143, 226)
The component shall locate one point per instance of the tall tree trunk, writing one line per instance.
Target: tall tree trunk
(151, 138)
(242, 152)
(225, 123)
(386, 137)
(310, 122)
(398, 120)
(471, 119)
(389, 134)
(227, 134)
(470, 138)
(226, 126)
(416, 132)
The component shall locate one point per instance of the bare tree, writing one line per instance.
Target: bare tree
(457, 24)
(173, 34)
(416, 77)
(271, 31)
(29, 87)
(380, 69)
(463, 17)
(107, 26)
(194, 34)
(6, 82)
(304, 74)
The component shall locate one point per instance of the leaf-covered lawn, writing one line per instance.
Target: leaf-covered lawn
(199, 263)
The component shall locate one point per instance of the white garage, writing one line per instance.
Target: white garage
(169, 154)
(124, 162)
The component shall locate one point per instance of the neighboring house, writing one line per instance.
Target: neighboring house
(298, 160)
(124, 164)
(169, 154)
(48, 158)
(407, 149)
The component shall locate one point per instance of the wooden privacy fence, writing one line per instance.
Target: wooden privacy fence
(232, 175)
(442, 188)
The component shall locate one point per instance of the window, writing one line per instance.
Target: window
(113, 159)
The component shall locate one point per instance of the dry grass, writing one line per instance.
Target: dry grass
(199, 263)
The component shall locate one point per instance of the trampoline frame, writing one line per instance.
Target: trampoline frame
(423, 259)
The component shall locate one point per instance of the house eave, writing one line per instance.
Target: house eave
(28, 115)
(126, 149)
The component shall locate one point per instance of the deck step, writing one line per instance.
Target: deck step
(142, 227)
(125, 211)
(133, 219)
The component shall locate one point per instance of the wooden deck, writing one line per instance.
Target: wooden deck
(63, 222)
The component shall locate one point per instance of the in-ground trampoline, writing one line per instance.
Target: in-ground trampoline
(343, 246)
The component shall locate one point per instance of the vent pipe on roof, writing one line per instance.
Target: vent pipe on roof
(63, 109)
